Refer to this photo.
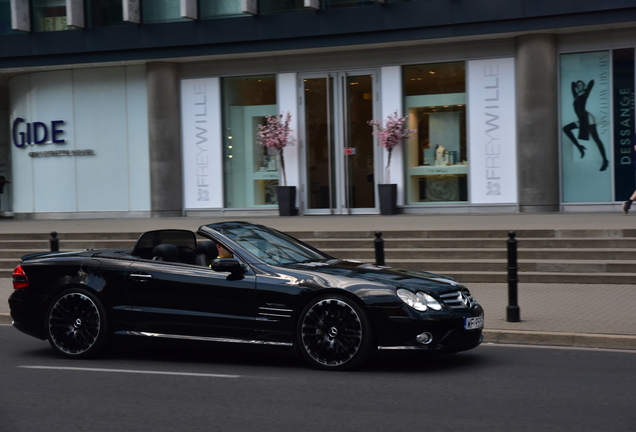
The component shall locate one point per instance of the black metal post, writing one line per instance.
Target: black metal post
(54, 242)
(378, 243)
(512, 311)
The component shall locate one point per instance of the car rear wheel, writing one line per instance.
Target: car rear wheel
(334, 333)
(76, 324)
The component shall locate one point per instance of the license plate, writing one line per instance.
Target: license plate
(474, 323)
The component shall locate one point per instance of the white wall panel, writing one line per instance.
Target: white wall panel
(137, 136)
(100, 119)
(104, 110)
(55, 181)
(22, 183)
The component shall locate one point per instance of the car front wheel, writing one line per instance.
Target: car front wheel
(334, 333)
(76, 324)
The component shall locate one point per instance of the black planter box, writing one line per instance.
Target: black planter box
(287, 201)
(388, 199)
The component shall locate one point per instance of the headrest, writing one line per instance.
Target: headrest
(165, 252)
(207, 248)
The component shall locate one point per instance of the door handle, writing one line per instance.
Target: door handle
(141, 277)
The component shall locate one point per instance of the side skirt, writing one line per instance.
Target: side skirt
(203, 338)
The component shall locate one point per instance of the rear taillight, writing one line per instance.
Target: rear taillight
(20, 279)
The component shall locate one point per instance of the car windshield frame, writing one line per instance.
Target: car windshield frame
(263, 244)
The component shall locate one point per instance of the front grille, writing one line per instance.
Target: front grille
(460, 299)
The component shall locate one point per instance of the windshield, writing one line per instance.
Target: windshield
(269, 245)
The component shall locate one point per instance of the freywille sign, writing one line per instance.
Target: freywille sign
(202, 161)
(493, 144)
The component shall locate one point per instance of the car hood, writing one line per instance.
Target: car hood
(395, 277)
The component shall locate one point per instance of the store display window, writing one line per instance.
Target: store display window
(250, 171)
(49, 15)
(435, 155)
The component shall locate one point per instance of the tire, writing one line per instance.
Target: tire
(334, 333)
(76, 324)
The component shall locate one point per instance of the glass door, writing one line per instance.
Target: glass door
(339, 152)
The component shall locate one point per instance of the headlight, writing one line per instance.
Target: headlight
(429, 301)
(420, 301)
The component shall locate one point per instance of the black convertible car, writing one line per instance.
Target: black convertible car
(274, 290)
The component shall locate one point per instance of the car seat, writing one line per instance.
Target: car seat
(204, 253)
(165, 252)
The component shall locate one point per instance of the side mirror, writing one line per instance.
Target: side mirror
(231, 265)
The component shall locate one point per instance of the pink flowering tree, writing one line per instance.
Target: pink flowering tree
(276, 135)
(390, 135)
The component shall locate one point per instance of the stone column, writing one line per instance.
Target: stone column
(164, 133)
(537, 123)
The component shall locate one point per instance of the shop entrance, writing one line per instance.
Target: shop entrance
(338, 152)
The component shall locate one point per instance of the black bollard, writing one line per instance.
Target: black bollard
(512, 311)
(378, 243)
(54, 242)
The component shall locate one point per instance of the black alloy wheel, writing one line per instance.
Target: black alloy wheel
(334, 333)
(76, 324)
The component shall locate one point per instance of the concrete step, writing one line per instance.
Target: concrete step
(488, 253)
(490, 233)
(539, 277)
(539, 243)
(69, 244)
(547, 256)
(524, 266)
(72, 236)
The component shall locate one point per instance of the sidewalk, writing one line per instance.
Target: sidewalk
(602, 316)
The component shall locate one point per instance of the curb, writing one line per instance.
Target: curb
(5, 318)
(579, 340)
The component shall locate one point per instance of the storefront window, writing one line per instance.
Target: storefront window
(586, 127)
(103, 13)
(436, 157)
(159, 11)
(220, 9)
(250, 171)
(49, 15)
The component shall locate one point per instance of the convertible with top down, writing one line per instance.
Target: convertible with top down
(274, 290)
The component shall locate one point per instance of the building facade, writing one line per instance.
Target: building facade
(128, 108)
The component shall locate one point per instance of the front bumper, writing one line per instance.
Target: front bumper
(399, 330)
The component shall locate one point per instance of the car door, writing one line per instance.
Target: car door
(188, 300)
